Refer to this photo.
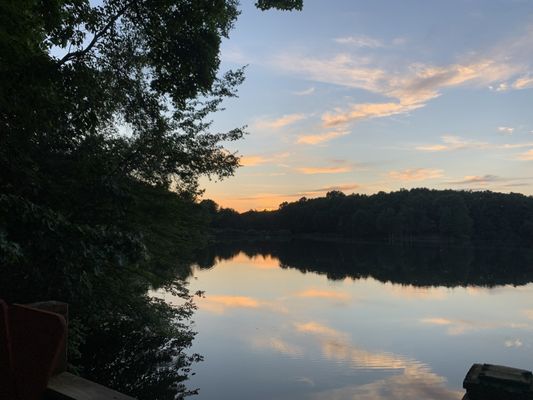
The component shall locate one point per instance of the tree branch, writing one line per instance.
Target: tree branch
(79, 53)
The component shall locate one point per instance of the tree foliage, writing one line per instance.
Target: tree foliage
(105, 129)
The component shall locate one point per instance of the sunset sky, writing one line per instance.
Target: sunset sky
(381, 95)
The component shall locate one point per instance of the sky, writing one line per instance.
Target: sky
(375, 96)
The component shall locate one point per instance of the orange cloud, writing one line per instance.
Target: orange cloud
(320, 138)
(450, 142)
(368, 110)
(252, 161)
(527, 156)
(409, 88)
(323, 170)
(453, 143)
(279, 123)
(523, 82)
(416, 174)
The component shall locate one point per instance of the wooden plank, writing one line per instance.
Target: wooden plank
(67, 386)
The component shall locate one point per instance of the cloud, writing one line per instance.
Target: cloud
(527, 156)
(474, 179)
(251, 161)
(416, 174)
(278, 123)
(513, 343)
(450, 142)
(505, 130)
(360, 41)
(254, 160)
(323, 170)
(501, 87)
(305, 92)
(523, 82)
(322, 137)
(368, 110)
(407, 86)
(324, 294)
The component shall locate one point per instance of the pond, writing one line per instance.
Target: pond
(326, 320)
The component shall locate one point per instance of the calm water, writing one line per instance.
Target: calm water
(311, 320)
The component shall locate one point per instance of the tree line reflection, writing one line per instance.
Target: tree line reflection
(418, 265)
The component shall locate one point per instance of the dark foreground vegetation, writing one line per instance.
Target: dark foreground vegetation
(405, 215)
(104, 133)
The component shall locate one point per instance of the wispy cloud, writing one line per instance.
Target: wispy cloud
(416, 174)
(323, 170)
(305, 92)
(321, 137)
(507, 130)
(513, 343)
(453, 143)
(254, 160)
(527, 156)
(368, 110)
(450, 142)
(523, 82)
(406, 88)
(475, 179)
(360, 41)
(278, 123)
(251, 161)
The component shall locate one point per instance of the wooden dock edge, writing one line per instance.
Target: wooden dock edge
(67, 386)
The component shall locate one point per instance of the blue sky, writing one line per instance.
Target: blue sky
(381, 95)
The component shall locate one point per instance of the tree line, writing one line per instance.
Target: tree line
(396, 216)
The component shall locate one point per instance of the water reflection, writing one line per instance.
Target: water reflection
(428, 265)
(309, 320)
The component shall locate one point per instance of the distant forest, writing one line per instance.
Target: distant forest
(416, 214)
